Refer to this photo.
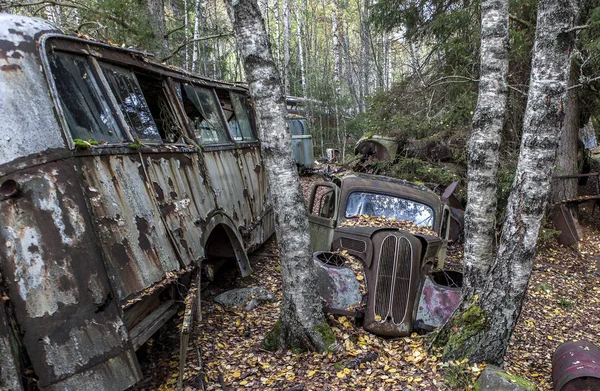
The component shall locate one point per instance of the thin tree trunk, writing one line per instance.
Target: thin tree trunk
(484, 144)
(481, 329)
(156, 13)
(278, 14)
(185, 35)
(286, 47)
(300, 52)
(195, 50)
(301, 320)
(337, 60)
(566, 157)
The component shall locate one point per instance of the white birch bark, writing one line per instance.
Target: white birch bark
(337, 61)
(300, 52)
(196, 45)
(500, 295)
(484, 143)
(301, 320)
(286, 47)
(186, 53)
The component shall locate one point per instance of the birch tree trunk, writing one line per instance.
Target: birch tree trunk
(300, 52)
(301, 321)
(195, 50)
(286, 47)
(482, 327)
(185, 35)
(484, 144)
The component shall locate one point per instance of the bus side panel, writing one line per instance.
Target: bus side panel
(58, 285)
(184, 197)
(10, 376)
(255, 178)
(135, 241)
(229, 186)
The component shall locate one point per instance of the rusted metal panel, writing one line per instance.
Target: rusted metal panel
(135, 241)
(229, 185)
(440, 297)
(576, 366)
(256, 192)
(564, 220)
(184, 197)
(59, 288)
(23, 89)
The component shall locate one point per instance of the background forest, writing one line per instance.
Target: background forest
(406, 69)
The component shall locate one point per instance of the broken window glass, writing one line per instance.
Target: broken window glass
(372, 204)
(87, 112)
(203, 113)
(160, 108)
(243, 115)
(130, 99)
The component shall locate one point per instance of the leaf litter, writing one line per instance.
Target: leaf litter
(562, 303)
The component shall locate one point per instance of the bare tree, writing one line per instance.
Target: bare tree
(495, 286)
(301, 321)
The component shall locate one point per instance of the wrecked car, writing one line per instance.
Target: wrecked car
(118, 178)
(398, 230)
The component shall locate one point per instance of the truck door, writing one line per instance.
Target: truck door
(323, 214)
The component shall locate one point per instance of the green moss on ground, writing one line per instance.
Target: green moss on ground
(271, 341)
(518, 380)
(326, 334)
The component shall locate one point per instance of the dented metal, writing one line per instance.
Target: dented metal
(93, 239)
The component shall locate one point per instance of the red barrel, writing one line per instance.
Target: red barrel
(576, 367)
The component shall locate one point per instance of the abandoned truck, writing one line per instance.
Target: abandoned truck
(399, 232)
(118, 176)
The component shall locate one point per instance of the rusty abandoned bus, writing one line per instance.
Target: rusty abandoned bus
(118, 176)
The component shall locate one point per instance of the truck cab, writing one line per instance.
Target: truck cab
(398, 230)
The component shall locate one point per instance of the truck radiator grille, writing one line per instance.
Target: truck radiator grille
(385, 272)
(401, 281)
(393, 280)
(354, 245)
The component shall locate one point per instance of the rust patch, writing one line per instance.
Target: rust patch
(160, 194)
(10, 68)
(144, 229)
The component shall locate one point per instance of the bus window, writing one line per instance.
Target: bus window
(87, 113)
(160, 108)
(202, 111)
(130, 99)
(244, 130)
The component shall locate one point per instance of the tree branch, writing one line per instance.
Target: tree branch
(575, 28)
(71, 4)
(451, 79)
(174, 52)
(522, 21)
(518, 90)
(175, 30)
(586, 81)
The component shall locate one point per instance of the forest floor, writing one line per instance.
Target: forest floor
(562, 303)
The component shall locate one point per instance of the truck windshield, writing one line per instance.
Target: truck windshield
(362, 203)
